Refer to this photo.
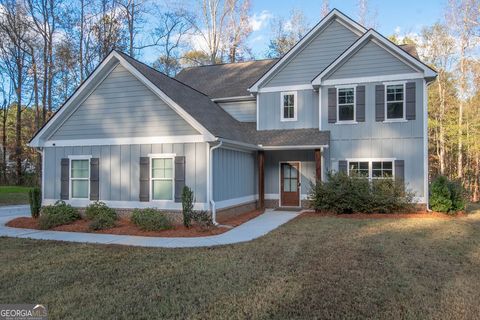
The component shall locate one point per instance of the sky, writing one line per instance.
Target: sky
(403, 16)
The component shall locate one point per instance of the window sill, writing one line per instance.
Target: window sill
(395, 120)
(288, 120)
(346, 122)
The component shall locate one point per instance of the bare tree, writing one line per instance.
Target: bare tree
(285, 38)
(325, 9)
(366, 17)
(132, 12)
(238, 28)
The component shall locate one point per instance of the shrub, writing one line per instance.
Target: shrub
(187, 206)
(58, 214)
(102, 220)
(151, 219)
(35, 200)
(446, 196)
(202, 219)
(348, 194)
(99, 208)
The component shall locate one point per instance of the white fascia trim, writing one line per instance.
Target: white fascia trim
(36, 140)
(244, 145)
(392, 77)
(386, 44)
(276, 196)
(352, 25)
(162, 205)
(123, 141)
(235, 202)
(286, 88)
(234, 99)
(299, 147)
(185, 115)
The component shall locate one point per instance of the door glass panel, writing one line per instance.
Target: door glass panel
(286, 185)
(293, 185)
(294, 172)
(286, 171)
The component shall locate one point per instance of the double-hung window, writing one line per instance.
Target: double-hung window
(395, 101)
(371, 169)
(79, 178)
(346, 104)
(289, 106)
(162, 178)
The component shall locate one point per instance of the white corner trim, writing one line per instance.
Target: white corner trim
(123, 141)
(320, 109)
(425, 143)
(282, 106)
(392, 77)
(352, 25)
(257, 110)
(286, 88)
(385, 44)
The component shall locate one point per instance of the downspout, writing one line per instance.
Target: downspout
(210, 184)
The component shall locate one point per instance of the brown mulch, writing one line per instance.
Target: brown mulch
(125, 227)
(408, 215)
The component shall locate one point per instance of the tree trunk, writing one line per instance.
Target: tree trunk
(18, 124)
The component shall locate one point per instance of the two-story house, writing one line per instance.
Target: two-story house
(245, 134)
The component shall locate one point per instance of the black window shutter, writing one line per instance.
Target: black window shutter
(94, 179)
(410, 98)
(144, 179)
(65, 179)
(380, 102)
(179, 177)
(400, 171)
(332, 105)
(343, 166)
(360, 97)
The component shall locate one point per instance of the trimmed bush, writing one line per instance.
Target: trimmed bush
(351, 194)
(35, 200)
(58, 214)
(202, 219)
(101, 216)
(187, 206)
(151, 219)
(446, 196)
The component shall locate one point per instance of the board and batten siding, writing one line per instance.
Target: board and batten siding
(234, 174)
(270, 109)
(376, 139)
(370, 60)
(120, 168)
(315, 56)
(121, 106)
(244, 111)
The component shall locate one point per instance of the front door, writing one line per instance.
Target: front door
(289, 184)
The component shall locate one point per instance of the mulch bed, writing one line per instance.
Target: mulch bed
(125, 227)
(411, 215)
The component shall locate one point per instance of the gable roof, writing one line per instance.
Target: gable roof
(386, 44)
(225, 80)
(334, 14)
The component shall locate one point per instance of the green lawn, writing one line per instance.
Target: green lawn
(11, 195)
(310, 267)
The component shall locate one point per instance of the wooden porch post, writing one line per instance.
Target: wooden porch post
(261, 179)
(318, 165)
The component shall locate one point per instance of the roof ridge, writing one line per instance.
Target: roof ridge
(230, 63)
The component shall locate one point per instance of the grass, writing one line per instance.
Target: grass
(11, 195)
(312, 267)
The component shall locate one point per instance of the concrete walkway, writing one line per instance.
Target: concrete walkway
(248, 231)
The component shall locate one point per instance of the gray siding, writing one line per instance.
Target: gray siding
(120, 168)
(316, 55)
(234, 174)
(121, 106)
(245, 111)
(272, 169)
(270, 109)
(372, 139)
(371, 60)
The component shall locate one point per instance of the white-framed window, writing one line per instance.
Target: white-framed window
(288, 106)
(346, 107)
(80, 177)
(162, 177)
(395, 101)
(372, 168)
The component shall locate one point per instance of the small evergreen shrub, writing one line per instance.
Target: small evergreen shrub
(35, 200)
(202, 219)
(187, 206)
(102, 220)
(446, 196)
(355, 194)
(58, 214)
(151, 219)
(99, 208)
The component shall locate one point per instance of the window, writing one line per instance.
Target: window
(395, 102)
(289, 106)
(346, 104)
(79, 178)
(162, 178)
(375, 169)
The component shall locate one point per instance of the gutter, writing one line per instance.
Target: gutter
(210, 182)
